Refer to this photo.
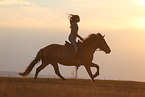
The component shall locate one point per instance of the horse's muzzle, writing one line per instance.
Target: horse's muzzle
(108, 52)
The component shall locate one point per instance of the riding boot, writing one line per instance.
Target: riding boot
(76, 55)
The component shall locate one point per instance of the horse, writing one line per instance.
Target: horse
(56, 53)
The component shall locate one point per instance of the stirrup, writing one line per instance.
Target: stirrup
(78, 63)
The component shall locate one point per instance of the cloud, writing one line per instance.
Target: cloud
(95, 15)
(109, 14)
(14, 2)
(33, 16)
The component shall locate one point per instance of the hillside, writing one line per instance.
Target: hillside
(15, 74)
(28, 87)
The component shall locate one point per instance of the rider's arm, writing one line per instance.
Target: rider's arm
(74, 32)
(79, 37)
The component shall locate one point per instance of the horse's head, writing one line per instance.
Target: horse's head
(102, 44)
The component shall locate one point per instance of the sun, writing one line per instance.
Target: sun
(139, 23)
(142, 22)
(141, 2)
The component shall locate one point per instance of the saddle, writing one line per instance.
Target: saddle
(70, 50)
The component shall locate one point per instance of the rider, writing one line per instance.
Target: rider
(74, 19)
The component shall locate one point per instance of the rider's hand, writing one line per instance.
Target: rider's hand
(82, 39)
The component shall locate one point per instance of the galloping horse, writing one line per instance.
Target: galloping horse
(55, 53)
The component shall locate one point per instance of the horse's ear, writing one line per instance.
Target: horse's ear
(103, 36)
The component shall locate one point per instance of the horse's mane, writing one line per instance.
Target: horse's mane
(91, 38)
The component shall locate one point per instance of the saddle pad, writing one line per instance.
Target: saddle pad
(69, 50)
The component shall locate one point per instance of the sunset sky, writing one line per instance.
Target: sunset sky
(29, 25)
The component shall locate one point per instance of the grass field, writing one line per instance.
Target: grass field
(28, 87)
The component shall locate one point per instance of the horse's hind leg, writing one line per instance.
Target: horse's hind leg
(42, 66)
(56, 68)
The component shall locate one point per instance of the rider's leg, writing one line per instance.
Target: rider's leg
(73, 41)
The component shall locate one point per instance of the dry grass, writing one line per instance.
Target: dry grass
(28, 87)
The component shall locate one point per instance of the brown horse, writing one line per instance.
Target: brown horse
(55, 53)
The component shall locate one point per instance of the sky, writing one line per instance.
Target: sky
(29, 25)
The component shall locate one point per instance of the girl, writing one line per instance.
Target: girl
(74, 19)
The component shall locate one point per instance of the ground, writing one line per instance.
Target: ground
(28, 87)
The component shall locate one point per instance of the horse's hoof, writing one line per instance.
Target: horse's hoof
(64, 79)
(21, 73)
(94, 76)
(35, 78)
(93, 80)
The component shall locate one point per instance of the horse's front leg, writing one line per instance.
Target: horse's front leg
(89, 71)
(97, 67)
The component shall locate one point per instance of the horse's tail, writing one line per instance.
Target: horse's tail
(30, 67)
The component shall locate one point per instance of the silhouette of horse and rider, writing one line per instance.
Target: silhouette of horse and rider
(70, 54)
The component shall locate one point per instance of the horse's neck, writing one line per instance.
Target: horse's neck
(91, 48)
